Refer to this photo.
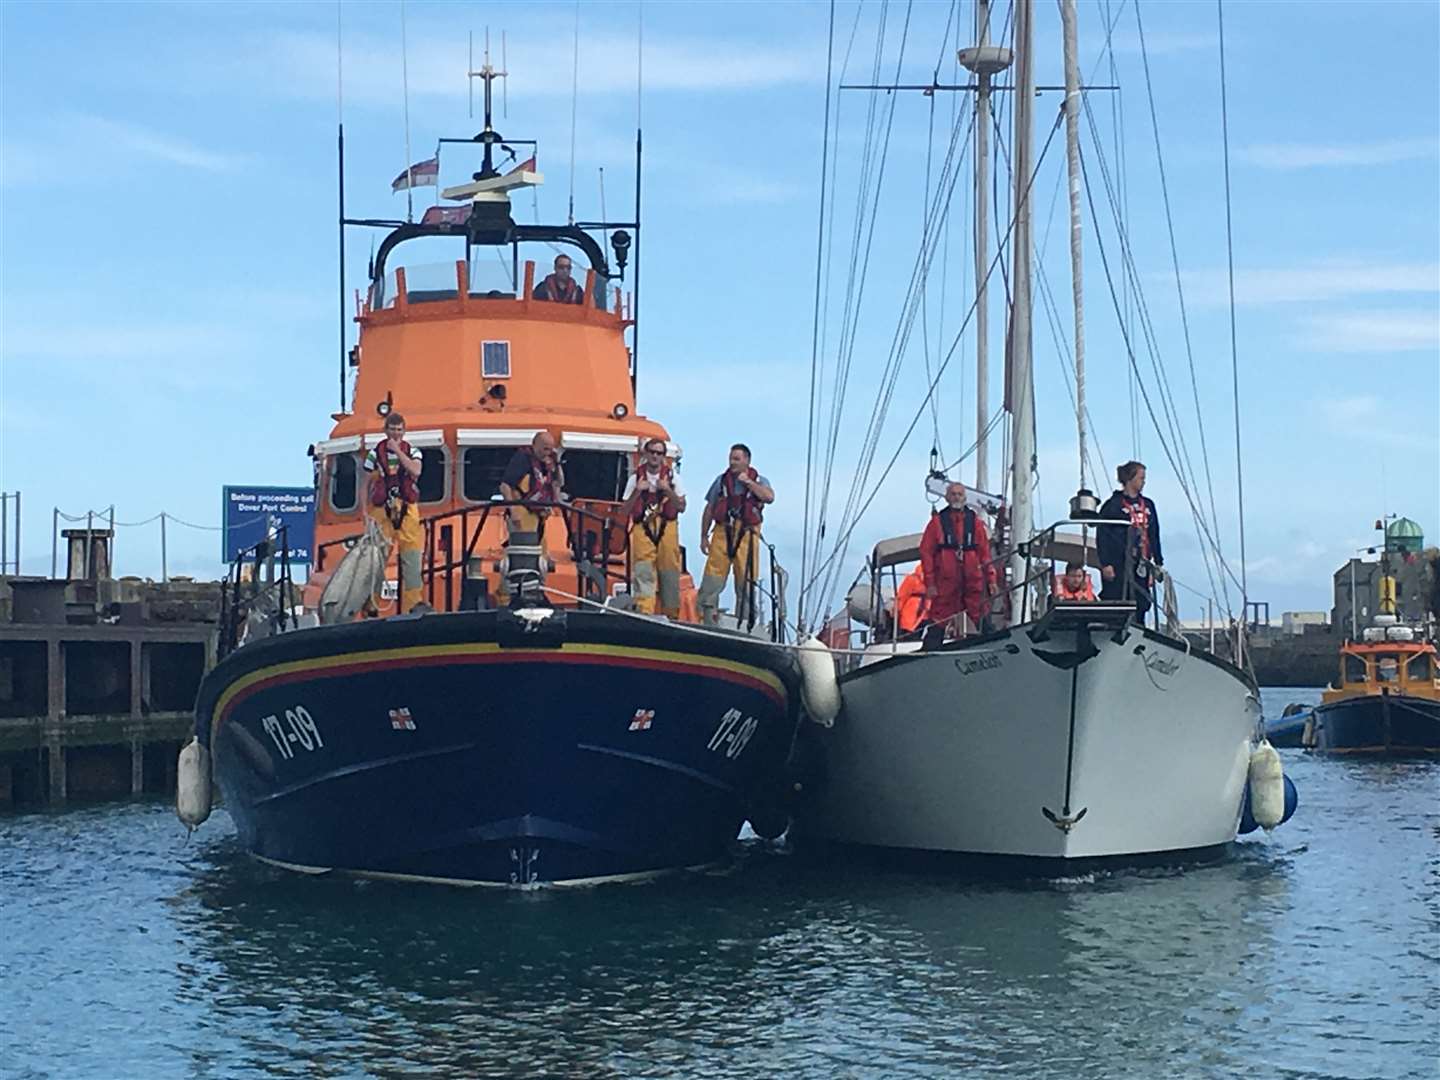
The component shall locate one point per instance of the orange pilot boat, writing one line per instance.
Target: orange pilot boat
(499, 713)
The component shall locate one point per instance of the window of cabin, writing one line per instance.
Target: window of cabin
(495, 359)
(1417, 669)
(433, 470)
(344, 485)
(1388, 668)
(1354, 668)
(596, 474)
(481, 468)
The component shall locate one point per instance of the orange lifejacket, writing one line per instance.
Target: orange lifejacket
(911, 603)
(1062, 590)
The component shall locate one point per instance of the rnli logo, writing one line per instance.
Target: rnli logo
(643, 719)
(987, 662)
(401, 720)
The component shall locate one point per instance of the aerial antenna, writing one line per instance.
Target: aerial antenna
(574, 105)
(405, 89)
(505, 86)
(340, 159)
(488, 136)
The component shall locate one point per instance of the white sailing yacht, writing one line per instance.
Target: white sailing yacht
(1075, 733)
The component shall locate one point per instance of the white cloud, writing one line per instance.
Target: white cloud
(540, 65)
(136, 140)
(1374, 331)
(1310, 155)
(1315, 283)
(1355, 409)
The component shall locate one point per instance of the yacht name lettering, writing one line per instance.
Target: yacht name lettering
(298, 728)
(1156, 662)
(988, 662)
(733, 733)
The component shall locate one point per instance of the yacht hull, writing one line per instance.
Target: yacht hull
(1084, 745)
(479, 748)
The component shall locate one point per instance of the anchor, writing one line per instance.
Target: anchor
(1064, 822)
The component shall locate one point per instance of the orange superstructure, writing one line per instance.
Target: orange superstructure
(477, 372)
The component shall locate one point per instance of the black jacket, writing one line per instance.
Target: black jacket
(1111, 541)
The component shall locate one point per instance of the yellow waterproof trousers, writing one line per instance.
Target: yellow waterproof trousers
(745, 565)
(655, 565)
(407, 540)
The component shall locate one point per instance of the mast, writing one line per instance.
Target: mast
(1019, 392)
(982, 253)
(1072, 164)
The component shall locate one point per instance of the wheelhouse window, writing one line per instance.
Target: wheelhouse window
(1354, 668)
(481, 468)
(596, 474)
(1417, 669)
(433, 474)
(344, 486)
(1388, 668)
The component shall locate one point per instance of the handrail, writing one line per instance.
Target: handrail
(235, 609)
(590, 549)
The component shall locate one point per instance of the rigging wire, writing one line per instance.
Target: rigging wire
(1234, 347)
(841, 546)
(1175, 263)
(815, 323)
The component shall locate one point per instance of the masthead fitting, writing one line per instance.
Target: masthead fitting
(985, 59)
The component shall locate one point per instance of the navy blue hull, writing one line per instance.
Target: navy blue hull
(1378, 723)
(460, 748)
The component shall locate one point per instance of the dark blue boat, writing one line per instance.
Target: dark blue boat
(499, 747)
(1383, 723)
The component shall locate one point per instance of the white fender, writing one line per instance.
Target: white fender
(1267, 786)
(192, 784)
(819, 688)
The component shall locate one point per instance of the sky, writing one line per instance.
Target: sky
(168, 266)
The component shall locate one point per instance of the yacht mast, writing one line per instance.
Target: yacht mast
(1019, 390)
(1072, 163)
(983, 61)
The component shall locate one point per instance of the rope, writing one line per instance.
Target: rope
(1234, 348)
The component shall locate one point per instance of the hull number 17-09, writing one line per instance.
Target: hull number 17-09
(296, 729)
(733, 733)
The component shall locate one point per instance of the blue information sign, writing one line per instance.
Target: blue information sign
(251, 513)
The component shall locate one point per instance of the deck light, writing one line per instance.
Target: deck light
(620, 411)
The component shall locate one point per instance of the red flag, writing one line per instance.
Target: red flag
(528, 165)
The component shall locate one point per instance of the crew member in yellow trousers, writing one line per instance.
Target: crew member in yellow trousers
(730, 534)
(654, 501)
(536, 481)
(394, 468)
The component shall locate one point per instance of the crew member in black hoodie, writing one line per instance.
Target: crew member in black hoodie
(1130, 555)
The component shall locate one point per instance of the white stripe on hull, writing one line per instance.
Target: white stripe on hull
(965, 750)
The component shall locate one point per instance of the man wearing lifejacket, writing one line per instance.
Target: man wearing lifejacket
(730, 535)
(1130, 557)
(535, 480)
(1074, 585)
(955, 552)
(560, 286)
(654, 501)
(394, 468)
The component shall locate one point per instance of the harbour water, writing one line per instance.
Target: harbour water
(128, 951)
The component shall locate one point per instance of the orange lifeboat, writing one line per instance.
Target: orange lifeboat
(521, 724)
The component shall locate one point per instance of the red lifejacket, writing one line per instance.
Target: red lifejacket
(383, 482)
(1138, 511)
(649, 503)
(948, 539)
(736, 503)
(542, 483)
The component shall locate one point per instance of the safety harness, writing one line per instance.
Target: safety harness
(394, 490)
(738, 508)
(652, 510)
(948, 539)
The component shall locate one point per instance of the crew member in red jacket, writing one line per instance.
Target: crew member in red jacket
(955, 551)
